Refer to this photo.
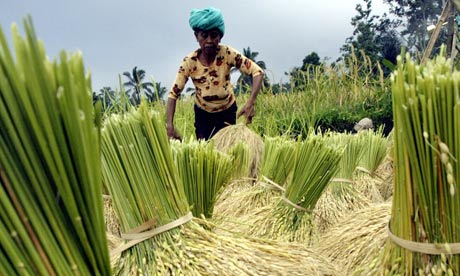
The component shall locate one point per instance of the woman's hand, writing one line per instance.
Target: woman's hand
(248, 111)
(172, 133)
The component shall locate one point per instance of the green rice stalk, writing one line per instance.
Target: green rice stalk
(426, 201)
(50, 194)
(144, 184)
(204, 172)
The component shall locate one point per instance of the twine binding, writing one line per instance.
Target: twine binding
(342, 180)
(139, 234)
(271, 185)
(285, 199)
(425, 248)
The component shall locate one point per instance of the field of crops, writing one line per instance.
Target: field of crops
(86, 192)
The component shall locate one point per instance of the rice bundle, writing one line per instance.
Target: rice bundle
(151, 205)
(375, 148)
(276, 167)
(290, 219)
(425, 221)
(357, 238)
(230, 136)
(342, 196)
(353, 148)
(278, 163)
(50, 193)
(204, 172)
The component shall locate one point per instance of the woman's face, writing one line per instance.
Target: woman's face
(208, 40)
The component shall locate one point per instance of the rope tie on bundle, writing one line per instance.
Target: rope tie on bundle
(142, 233)
(342, 180)
(270, 184)
(425, 248)
(362, 169)
(300, 208)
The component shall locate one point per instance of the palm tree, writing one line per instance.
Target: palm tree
(159, 92)
(135, 87)
(246, 80)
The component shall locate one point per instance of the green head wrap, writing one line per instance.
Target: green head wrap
(207, 19)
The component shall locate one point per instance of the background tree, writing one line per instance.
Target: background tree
(414, 18)
(310, 63)
(374, 39)
(158, 93)
(135, 87)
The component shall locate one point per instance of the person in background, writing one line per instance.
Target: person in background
(209, 68)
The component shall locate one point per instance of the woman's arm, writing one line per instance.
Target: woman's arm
(248, 109)
(170, 111)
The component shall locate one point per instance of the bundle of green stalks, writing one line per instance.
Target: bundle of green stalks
(276, 167)
(290, 217)
(354, 241)
(204, 172)
(277, 163)
(375, 149)
(153, 211)
(424, 230)
(342, 196)
(349, 161)
(346, 176)
(227, 138)
(240, 154)
(50, 194)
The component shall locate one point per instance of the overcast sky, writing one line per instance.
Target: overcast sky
(114, 36)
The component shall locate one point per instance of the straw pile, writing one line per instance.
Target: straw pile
(232, 135)
(333, 206)
(356, 240)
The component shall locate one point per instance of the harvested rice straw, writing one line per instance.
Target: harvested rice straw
(290, 219)
(144, 185)
(333, 206)
(425, 220)
(204, 172)
(51, 221)
(357, 238)
(374, 152)
(112, 225)
(229, 136)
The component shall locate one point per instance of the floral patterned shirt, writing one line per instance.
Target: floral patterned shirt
(213, 90)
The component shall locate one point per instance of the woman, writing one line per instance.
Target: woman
(209, 68)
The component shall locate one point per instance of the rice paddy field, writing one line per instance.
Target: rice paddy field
(86, 192)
